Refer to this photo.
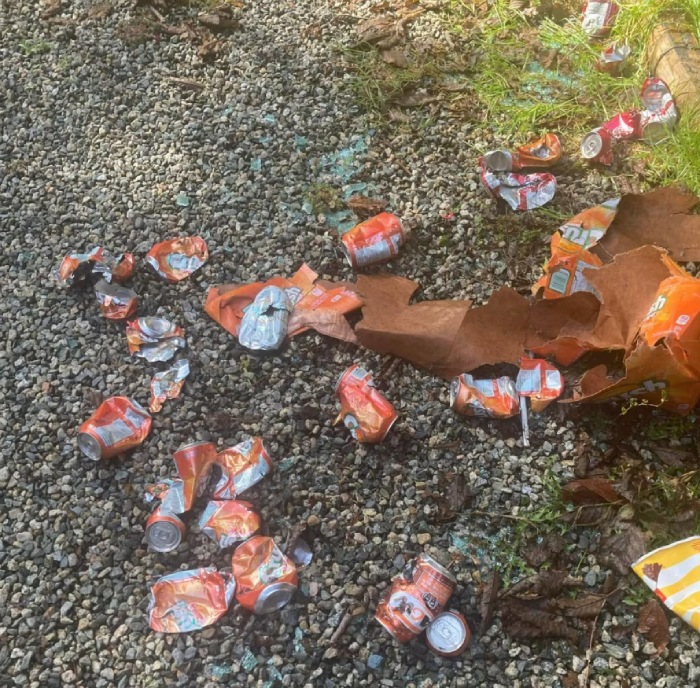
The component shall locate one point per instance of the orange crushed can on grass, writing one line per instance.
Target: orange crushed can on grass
(193, 462)
(164, 531)
(230, 521)
(376, 240)
(496, 398)
(363, 409)
(177, 259)
(242, 467)
(416, 597)
(675, 312)
(119, 424)
(543, 152)
(266, 579)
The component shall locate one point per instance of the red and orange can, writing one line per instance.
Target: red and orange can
(164, 531)
(376, 240)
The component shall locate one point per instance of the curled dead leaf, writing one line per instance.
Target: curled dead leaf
(364, 206)
(586, 606)
(653, 623)
(101, 10)
(589, 491)
(620, 550)
(525, 619)
(489, 596)
(547, 551)
(395, 57)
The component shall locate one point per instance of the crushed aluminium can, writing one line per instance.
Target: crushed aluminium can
(363, 409)
(266, 579)
(155, 339)
(660, 115)
(495, 398)
(194, 462)
(190, 600)
(598, 17)
(177, 259)
(167, 384)
(172, 500)
(116, 302)
(520, 191)
(229, 522)
(449, 634)
(264, 323)
(98, 263)
(242, 466)
(540, 381)
(376, 240)
(544, 152)
(118, 424)
(415, 599)
(164, 531)
(597, 144)
(613, 59)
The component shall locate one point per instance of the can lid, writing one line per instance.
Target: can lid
(163, 536)
(274, 597)
(592, 145)
(89, 446)
(499, 161)
(155, 327)
(448, 634)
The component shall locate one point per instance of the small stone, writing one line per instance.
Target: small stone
(423, 538)
(375, 661)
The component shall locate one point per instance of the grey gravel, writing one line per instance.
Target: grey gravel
(98, 146)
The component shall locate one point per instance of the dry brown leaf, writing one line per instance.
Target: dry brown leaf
(415, 99)
(219, 20)
(570, 680)
(53, 7)
(547, 551)
(489, 595)
(589, 491)
(654, 624)
(527, 620)
(622, 549)
(543, 584)
(396, 115)
(673, 456)
(586, 606)
(211, 50)
(379, 31)
(395, 57)
(363, 206)
(101, 10)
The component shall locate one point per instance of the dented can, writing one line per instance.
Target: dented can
(241, 467)
(363, 409)
(194, 462)
(164, 531)
(496, 398)
(415, 599)
(264, 322)
(176, 259)
(119, 424)
(540, 381)
(543, 152)
(155, 339)
(597, 144)
(265, 577)
(598, 18)
(167, 384)
(76, 266)
(449, 634)
(613, 59)
(116, 302)
(660, 114)
(230, 521)
(375, 240)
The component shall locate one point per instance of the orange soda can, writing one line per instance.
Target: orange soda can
(116, 302)
(376, 240)
(484, 398)
(164, 531)
(363, 409)
(415, 598)
(242, 467)
(229, 521)
(193, 462)
(176, 259)
(266, 579)
(543, 152)
(119, 424)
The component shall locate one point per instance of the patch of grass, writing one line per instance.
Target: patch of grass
(323, 198)
(672, 427)
(35, 47)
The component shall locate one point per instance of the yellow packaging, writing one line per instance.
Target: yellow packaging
(673, 574)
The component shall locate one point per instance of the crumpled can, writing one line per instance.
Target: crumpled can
(241, 467)
(118, 424)
(540, 381)
(416, 597)
(97, 263)
(376, 240)
(598, 17)
(229, 522)
(675, 313)
(155, 339)
(596, 146)
(520, 191)
(116, 302)
(167, 384)
(266, 579)
(564, 273)
(495, 398)
(157, 490)
(660, 115)
(613, 59)
(190, 600)
(672, 573)
(194, 462)
(543, 152)
(177, 259)
(164, 531)
(363, 409)
(264, 323)
(173, 499)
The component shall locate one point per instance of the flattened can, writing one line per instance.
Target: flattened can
(116, 302)
(264, 322)
(164, 531)
(363, 409)
(193, 462)
(266, 579)
(415, 598)
(119, 424)
(488, 398)
(176, 259)
(375, 240)
(242, 467)
(229, 521)
(449, 634)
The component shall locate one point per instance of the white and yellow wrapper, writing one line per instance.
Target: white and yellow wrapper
(673, 573)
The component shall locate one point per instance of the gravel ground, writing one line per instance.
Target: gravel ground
(96, 145)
